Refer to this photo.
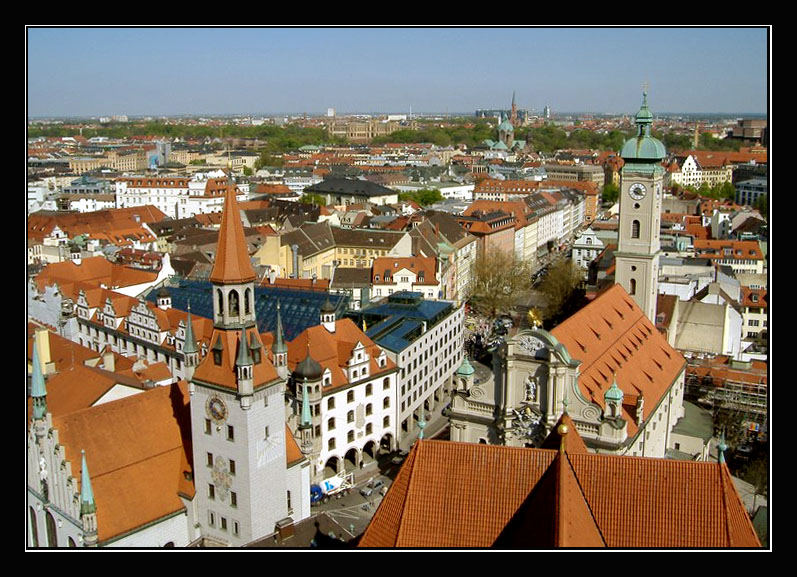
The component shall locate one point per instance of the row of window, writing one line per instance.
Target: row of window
(369, 429)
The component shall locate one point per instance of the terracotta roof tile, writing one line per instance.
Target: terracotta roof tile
(612, 337)
(450, 494)
(232, 264)
(135, 454)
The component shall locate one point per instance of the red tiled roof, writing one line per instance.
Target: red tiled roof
(232, 264)
(135, 455)
(333, 350)
(224, 373)
(613, 338)
(451, 494)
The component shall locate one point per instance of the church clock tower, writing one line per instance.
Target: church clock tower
(641, 179)
(237, 407)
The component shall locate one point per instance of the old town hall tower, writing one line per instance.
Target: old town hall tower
(244, 484)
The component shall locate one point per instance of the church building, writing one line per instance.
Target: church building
(606, 366)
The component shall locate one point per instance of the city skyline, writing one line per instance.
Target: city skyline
(89, 72)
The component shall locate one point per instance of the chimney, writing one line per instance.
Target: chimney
(285, 529)
(295, 250)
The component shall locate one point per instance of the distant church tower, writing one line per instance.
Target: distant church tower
(237, 408)
(637, 266)
(513, 115)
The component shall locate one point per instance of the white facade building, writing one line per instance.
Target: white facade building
(586, 248)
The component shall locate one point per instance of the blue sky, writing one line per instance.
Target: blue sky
(161, 71)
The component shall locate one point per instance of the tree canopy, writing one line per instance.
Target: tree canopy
(498, 279)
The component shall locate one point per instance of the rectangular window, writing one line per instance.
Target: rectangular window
(233, 499)
(230, 433)
(266, 433)
(235, 528)
(208, 426)
(211, 519)
(232, 467)
(210, 459)
(223, 523)
(211, 492)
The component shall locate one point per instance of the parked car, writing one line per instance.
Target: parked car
(371, 487)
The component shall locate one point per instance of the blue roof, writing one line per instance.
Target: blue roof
(394, 323)
(300, 309)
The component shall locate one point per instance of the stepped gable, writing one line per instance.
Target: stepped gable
(138, 461)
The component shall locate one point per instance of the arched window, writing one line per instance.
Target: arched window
(72, 542)
(52, 534)
(635, 229)
(220, 296)
(234, 300)
(632, 290)
(34, 529)
(248, 301)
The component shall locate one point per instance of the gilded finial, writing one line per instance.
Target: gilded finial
(562, 429)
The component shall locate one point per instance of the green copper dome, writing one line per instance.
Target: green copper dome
(466, 369)
(506, 126)
(643, 146)
(614, 393)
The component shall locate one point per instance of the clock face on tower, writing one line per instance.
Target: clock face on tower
(216, 410)
(637, 191)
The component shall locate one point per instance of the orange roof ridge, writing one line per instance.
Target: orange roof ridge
(411, 481)
(232, 264)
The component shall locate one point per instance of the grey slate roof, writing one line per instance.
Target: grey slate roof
(349, 186)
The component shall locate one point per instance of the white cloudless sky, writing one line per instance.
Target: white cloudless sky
(90, 71)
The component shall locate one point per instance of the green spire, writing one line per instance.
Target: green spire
(38, 389)
(614, 393)
(279, 337)
(643, 148)
(721, 447)
(644, 118)
(306, 419)
(190, 341)
(244, 358)
(87, 504)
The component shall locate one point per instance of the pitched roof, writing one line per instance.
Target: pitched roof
(96, 270)
(232, 265)
(451, 494)
(423, 267)
(333, 350)
(136, 456)
(613, 338)
(224, 372)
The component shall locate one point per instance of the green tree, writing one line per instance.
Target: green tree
(316, 199)
(561, 289)
(424, 197)
(498, 279)
(611, 192)
(727, 191)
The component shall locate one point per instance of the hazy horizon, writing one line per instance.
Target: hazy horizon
(100, 71)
